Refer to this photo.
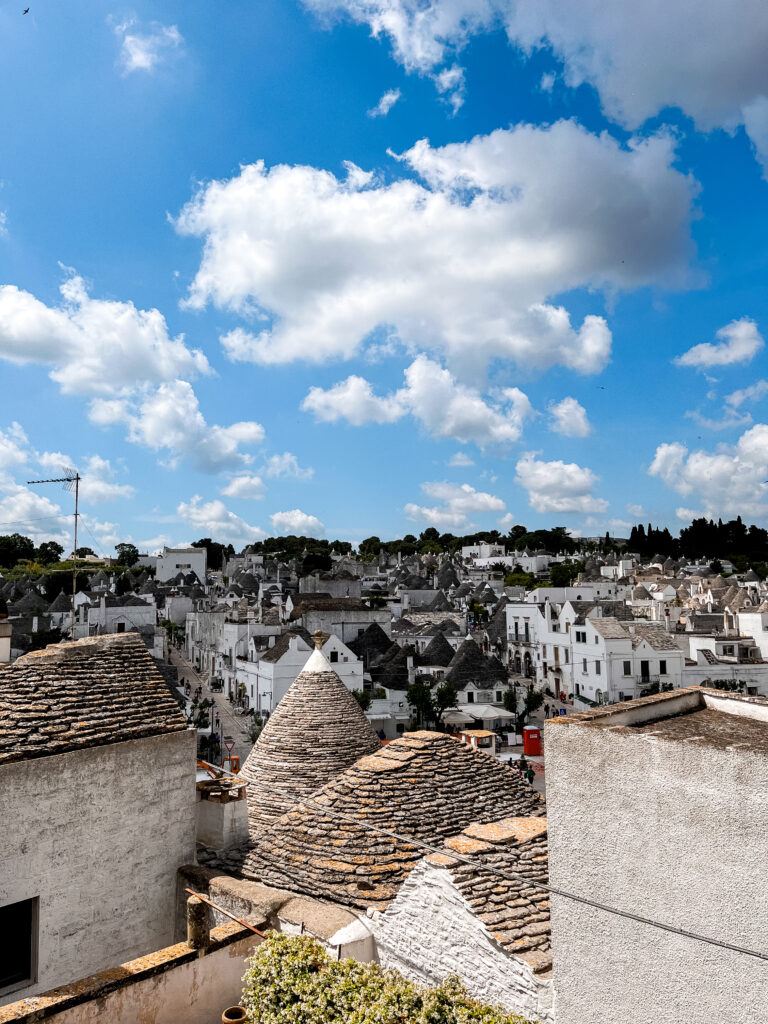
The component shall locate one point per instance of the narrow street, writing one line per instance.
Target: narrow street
(231, 724)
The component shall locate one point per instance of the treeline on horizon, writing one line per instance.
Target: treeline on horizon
(744, 546)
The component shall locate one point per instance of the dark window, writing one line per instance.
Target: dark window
(470, 697)
(627, 668)
(662, 668)
(498, 696)
(18, 966)
(334, 656)
(121, 627)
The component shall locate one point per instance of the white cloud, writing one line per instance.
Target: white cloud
(687, 515)
(640, 63)
(569, 418)
(145, 50)
(287, 465)
(752, 393)
(457, 503)
(547, 82)
(97, 476)
(353, 400)
(558, 486)
(169, 419)
(14, 446)
(245, 485)
(728, 421)
(463, 261)
(635, 510)
(214, 519)
(385, 104)
(460, 460)
(452, 85)
(728, 481)
(94, 346)
(738, 342)
(507, 521)
(297, 522)
(433, 396)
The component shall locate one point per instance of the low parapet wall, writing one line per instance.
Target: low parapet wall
(174, 984)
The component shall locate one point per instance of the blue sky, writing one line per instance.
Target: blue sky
(528, 288)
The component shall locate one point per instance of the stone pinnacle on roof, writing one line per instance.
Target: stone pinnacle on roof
(316, 732)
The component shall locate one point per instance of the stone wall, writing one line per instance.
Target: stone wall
(429, 932)
(674, 831)
(172, 985)
(98, 835)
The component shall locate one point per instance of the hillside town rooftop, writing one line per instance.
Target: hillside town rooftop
(88, 693)
(317, 730)
(425, 786)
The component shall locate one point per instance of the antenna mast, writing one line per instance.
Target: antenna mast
(71, 481)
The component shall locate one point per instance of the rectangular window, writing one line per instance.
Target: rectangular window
(567, 655)
(470, 697)
(597, 639)
(334, 656)
(18, 965)
(499, 696)
(662, 668)
(584, 666)
(627, 668)
(121, 627)
(597, 668)
(517, 629)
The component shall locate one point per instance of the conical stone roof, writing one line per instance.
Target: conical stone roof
(425, 786)
(317, 731)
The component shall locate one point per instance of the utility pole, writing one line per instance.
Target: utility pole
(71, 481)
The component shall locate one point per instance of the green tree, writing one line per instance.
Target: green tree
(520, 579)
(363, 698)
(127, 554)
(533, 701)
(419, 696)
(444, 698)
(49, 553)
(85, 552)
(14, 547)
(562, 574)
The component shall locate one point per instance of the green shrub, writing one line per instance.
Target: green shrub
(292, 980)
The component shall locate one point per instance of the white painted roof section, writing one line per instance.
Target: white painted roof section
(317, 662)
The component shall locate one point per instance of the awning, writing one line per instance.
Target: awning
(487, 712)
(457, 718)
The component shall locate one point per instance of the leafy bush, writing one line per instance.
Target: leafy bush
(292, 979)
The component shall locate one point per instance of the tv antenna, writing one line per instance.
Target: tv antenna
(71, 481)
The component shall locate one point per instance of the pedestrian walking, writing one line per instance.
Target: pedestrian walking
(530, 776)
(546, 710)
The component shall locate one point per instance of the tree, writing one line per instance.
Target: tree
(419, 696)
(15, 548)
(562, 574)
(216, 554)
(49, 553)
(369, 548)
(716, 567)
(124, 584)
(444, 698)
(533, 701)
(510, 699)
(520, 579)
(127, 554)
(85, 552)
(363, 698)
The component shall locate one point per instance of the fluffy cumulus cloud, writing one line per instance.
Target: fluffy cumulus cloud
(569, 418)
(433, 396)
(640, 63)
(460, 460)
(456, 503)
(731, 480)
(460, 259)
(385, 104)
(287, 465)
(14, 447)
(737, 342)
(214, 519)
(169, 419)
(144, 49)
(557, 486)
(93, 346)
(297, 522)
(244, 485)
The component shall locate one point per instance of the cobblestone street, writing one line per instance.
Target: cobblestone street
(231, 724)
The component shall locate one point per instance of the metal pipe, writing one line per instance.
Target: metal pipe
(226, 913)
